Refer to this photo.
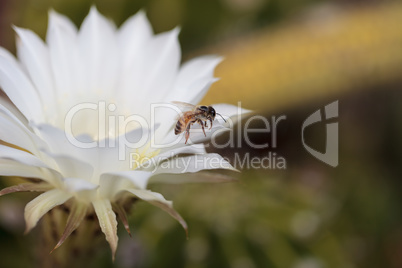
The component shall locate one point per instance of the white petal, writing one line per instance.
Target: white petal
(12, 168)
(182, 149)
(10, 107)
(98, 50)
(34, 55)
(14, 133)
(5, 109)
(74, 185)
(132, 37)
(115, 154)
(196, 69)
(194, 79)
(58, 144)
(116, 157)
(148, 195)
(115, 182)
(18, 88)
(162, 65)
(62, 39)
(54, 137)
(171, 152)
(35, 209)
(107, 222)
(159, 66)
(197, 135)
(204, 84)
(21, 156)
(62, 23)
(158, 200)
(23, 130)
(194, 163)
(82, 189)
(72, 167)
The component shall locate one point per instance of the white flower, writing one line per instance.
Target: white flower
(62, 89)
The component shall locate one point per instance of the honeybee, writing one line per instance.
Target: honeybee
(198, 114)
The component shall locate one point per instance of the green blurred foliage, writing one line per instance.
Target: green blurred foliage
(202, 22)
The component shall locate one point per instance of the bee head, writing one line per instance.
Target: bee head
(211, 112)
(203, 108)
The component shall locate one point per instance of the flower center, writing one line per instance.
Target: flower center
(141, 157)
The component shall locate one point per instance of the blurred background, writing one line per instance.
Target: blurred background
(286, 58)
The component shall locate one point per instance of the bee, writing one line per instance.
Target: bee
(198, 114)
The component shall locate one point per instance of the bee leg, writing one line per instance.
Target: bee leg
(187, 134)
(202, 125)
(211, 123)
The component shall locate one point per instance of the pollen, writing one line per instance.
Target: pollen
(143, 155)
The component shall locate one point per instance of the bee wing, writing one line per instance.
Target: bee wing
(185, 113)
(177, 117)
(184, 105)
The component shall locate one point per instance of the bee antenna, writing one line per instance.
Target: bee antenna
(221, 116)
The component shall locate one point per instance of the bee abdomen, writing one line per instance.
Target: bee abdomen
(179, 127)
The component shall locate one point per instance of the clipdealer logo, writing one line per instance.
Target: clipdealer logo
(331, 154)
(274, 161)
(109, 123)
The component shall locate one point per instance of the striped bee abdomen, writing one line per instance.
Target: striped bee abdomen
(180, 125)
